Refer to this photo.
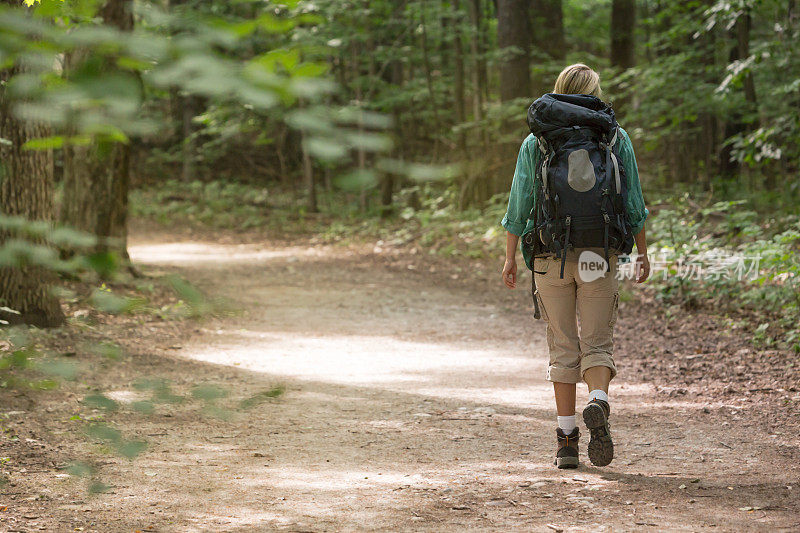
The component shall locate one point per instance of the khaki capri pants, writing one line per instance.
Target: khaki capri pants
(562, 302)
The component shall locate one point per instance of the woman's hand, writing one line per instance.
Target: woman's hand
(510, 273)
(642, 268)
(642, 262)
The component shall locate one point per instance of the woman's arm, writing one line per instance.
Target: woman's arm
(642, 261)
(510, 266)
(520, 203)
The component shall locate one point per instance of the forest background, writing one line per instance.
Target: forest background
(393, 122)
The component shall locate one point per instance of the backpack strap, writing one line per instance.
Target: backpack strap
(566, 243)
(542, 144)
(611, 157)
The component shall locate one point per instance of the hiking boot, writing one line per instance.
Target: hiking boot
(601, 448)
(567, 454)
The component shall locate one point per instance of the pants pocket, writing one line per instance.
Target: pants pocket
(614, 310)
(542, 308)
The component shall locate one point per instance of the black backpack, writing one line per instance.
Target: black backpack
(582, 189)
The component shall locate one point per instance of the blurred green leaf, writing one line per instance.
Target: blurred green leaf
(143, 407)
(63, 369)
(357, 180)
(98, 487)
(209, 392)
(108, 302)
(108, 349)
(131, 448)
(104, 433)
(79, 469)
(45, 384)
(44, 143)
(261, 397)
(99, 401)
(195, 300)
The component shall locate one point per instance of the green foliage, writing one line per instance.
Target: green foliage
(769, 296)
(262, 397)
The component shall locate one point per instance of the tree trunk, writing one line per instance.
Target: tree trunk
(478, 65)
(26, 190)
(458, 74)
(738, 121)
(547, 38)
(393, 74)
(308, 173)
(513, 38)
(426, 63)
(623, 22)
(743, 26)
(96, 176)
(188, 105)
(547, 28)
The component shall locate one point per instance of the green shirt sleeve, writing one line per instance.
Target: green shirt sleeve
(521, 198)
(635, 208)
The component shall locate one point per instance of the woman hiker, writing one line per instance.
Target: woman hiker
(586, 211)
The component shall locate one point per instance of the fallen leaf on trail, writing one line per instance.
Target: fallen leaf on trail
(682, 486)
(555, 528)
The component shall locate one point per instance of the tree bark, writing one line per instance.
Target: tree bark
(623, 22)
(308, 173)
(458, 73)
(26, 190)
(513, 38)
(547, 28)
(96, 176)
(478, 64)
(547, 39)
(738, 121)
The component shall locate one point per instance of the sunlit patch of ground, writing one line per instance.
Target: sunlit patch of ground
(413, 405)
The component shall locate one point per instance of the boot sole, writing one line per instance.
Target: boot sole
(601, 448)
(567, 462)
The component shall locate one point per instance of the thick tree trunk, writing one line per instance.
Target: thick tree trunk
(513, 38)
(26, 189)
(547, 27)
(623, 23)
(547, 38)
(96, 176)
(623, 44)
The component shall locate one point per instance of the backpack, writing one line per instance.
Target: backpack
(582, 190)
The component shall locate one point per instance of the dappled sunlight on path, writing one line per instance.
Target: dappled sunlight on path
(411, 404)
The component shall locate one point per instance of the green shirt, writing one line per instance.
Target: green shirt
(523, 189)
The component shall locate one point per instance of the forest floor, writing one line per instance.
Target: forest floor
(414, 400)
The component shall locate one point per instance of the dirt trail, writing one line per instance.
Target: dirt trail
(416, 402)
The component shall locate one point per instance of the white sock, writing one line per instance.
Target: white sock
(566, 423)
(598, 394)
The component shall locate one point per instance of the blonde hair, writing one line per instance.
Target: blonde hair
(578, 79)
